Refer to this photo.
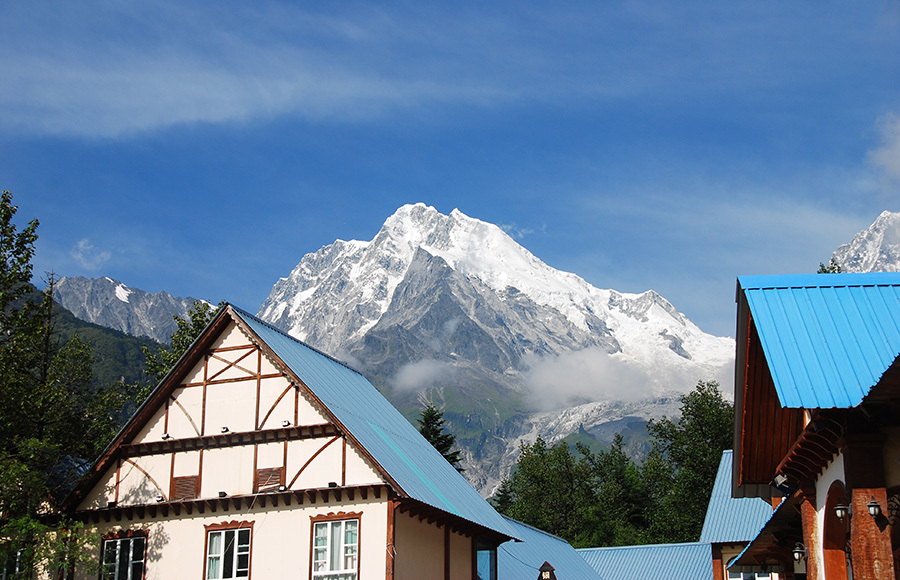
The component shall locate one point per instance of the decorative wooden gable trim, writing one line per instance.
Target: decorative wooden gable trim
(220, 365)
(300, 384)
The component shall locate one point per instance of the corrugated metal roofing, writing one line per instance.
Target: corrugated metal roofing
(691, 561)
(521, 560)
(828, 338)
(731, 519)
(419, 469)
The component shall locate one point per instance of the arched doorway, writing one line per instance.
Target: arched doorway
(835, 541)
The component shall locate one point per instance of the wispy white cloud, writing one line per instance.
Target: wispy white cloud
(106, 69)
(885, 158)
(423, 374)
(89, 257)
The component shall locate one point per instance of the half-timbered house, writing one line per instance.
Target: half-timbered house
(259, 457)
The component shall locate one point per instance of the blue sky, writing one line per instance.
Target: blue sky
(204, 148)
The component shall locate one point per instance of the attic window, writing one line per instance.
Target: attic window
(187, 487)
(269, 478)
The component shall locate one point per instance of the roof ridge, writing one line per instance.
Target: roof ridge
(634, 547)
(273, 328)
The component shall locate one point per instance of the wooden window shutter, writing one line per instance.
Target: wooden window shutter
(186, 487)
(269, 477)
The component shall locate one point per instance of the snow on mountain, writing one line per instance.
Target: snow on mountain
(451, 309)
(111, 303)
(335, 296)
(874, 249)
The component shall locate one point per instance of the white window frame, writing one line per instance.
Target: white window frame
(330, 558)
(218, 544)
(123, 557)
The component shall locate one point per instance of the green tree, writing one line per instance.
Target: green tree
(832, 268)
(52, 419)
(681, 469)
(552, 491)
(159, 363)
(431, 426)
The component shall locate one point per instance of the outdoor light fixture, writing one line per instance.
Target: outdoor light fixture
(547, 572)
(799, 552)
(841, 510)
(332, 484)
(223, 494)
(282, 487)
(285, 423)
(111, 504)
(165, 436)
(160, 499)
(224, 429)
(874, 508)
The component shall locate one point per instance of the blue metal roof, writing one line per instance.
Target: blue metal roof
(521, 560)
(405, 456)
(691, 561)
(828, 338)
(729, 519)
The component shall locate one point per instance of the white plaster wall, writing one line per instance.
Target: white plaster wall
(833, 472)
(229, 469)
(280, 545)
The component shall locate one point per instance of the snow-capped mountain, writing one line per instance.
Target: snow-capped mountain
(110, 303)
(451, 309)
(875, 249)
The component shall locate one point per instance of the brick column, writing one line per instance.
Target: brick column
(870, 538)
(811, 539)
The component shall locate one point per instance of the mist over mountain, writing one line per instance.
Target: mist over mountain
(451, 310)
(112, 304)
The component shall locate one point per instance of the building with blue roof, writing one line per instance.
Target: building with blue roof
(688, 561)
(522, 560)
(260, 456)
(817, 420)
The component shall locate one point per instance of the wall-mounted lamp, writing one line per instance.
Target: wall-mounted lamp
(282, 487)
(841, 511)
(224, 429)
(111, 504)
(160, 499)
(165, 436)
(223, 494)
(285, 423)
(799, 552)
(546, 572)
(874, 508)
(332, 484)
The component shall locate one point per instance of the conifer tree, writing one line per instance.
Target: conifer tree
(53, 421)
(431, 426)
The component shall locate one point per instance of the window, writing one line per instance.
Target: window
(335, 549)
(486, 562)
(228, 551)
(123, 558)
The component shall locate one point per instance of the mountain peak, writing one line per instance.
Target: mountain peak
(874, 249)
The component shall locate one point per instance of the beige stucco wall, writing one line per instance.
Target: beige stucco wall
(420, 551)
(280, 544)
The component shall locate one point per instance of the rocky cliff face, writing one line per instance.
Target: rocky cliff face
(450, 309)
(875, 249)
(110, 303)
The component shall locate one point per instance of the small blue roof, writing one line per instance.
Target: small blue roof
(521, 560)
(409, 459)
(691, 561)
(729, 519)
(828, 338)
